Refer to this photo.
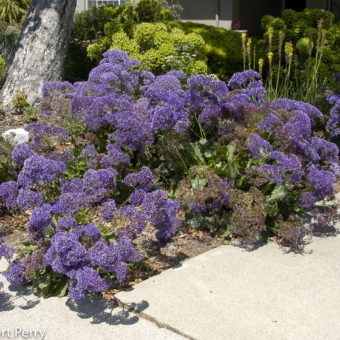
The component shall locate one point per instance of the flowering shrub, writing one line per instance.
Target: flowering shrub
(298, 54)
(235, 163)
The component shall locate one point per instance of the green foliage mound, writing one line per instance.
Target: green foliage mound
(104, 27)
(222, 48)
(159, 48)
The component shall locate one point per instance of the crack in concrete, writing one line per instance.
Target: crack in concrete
(150, 318)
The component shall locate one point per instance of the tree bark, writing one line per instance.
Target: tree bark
(41, 49)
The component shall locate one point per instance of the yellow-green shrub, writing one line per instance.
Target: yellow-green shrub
(159, 47)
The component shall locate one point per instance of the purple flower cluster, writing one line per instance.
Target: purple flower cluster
(135, 220)
(93, 188)
(83, 257)
(21, 152)
(40, 170)
(207, 97)
(333, 124)
(293, 105)
(91, 154)
(56, 87)
(40, 131)
(15, 273)
(9, 192)
(28, 198)
(258, 147)
(307, 200)
(163, 214)
(6, 251)
(107, 210)
(66, 223)
(288, 127)
(241, 79)
(40, 220)
(142, 180)
(284, 168)
(322, 182)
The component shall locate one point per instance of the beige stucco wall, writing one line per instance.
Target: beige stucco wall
(81, 5)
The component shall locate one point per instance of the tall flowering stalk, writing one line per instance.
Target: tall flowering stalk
(244, 49)
(278, 75)
(287, 73)
(270, 89)
(289, 52)
(261, 63)
(249, 52)
(313, 77)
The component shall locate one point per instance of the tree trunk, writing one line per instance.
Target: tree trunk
(41, 50)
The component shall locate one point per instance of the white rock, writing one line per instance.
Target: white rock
(16, 136)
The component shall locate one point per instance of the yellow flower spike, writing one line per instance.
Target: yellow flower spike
(261, 63)
(289, 49)
(244, 38)
(249, 43)
(270, 56)
(270, 32)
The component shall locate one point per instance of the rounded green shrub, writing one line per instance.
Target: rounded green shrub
(159, 47)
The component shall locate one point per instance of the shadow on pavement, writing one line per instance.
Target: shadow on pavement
(102, 311)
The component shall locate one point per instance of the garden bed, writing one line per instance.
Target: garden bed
(127, 162)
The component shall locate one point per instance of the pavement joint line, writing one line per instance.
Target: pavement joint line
(150, 318)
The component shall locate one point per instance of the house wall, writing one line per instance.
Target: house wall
(335, 8)
(317, 4)
(250, 13)
(81, 5)
(206, 12)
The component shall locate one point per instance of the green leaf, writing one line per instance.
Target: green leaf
(277, 194)
(54, 220)
(198, 183)
(63, 291)
(226, 233)
(198, 154)
(231, 148)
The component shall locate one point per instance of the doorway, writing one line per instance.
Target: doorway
(296, 5)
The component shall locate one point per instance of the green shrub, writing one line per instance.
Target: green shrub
(19, 102)
(93, 31)
(153, 10)
(13, 11)
(222, 48)
(88, 27)
(159, 47)
(96, 27)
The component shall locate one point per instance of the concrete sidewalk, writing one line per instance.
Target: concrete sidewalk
(230, 293)
(226, 293)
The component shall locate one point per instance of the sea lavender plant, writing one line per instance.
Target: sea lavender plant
(244, 164)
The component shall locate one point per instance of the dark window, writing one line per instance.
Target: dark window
(335, 8)
(296, 5)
